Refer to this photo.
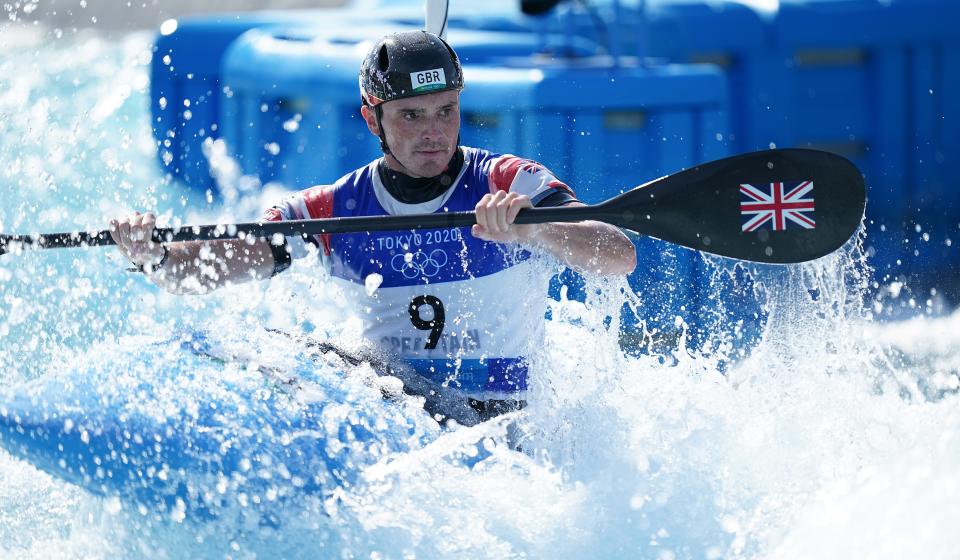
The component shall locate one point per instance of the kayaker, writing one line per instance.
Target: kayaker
(462, 307)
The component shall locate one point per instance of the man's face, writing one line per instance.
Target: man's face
(421, 131)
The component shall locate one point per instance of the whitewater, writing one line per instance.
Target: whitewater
(833, 435)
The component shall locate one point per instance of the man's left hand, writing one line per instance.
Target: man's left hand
(495, 215)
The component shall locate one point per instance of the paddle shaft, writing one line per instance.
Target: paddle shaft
(297, 227)
(775, 206)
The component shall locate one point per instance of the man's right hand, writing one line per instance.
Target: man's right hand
(134, 237)
(193, 267)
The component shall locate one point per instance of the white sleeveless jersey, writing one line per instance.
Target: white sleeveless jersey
(459, 310)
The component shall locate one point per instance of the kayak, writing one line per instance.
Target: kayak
(175, 426)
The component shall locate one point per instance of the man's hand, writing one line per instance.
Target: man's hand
(588, 246)
(134, 237)
(495, 215)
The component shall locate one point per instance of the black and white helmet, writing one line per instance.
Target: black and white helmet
(408, 64)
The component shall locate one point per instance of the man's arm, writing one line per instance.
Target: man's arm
(191, 267)
(593, 247)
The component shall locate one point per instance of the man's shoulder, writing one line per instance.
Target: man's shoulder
(358, 178)
(321, 200)
(512, 173)
(479, 157)
(493, 160)
(495, 164)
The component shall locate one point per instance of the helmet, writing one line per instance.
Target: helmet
(408, 64)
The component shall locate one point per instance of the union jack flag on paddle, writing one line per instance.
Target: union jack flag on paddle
(782, 205)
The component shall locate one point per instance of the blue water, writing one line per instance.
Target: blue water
(836, 437)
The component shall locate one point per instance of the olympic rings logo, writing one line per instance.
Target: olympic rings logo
(413, 265)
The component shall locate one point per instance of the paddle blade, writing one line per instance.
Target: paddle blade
(775, 206)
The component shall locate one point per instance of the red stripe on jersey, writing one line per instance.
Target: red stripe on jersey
(504, 170)
(273, 215)
(319, 203)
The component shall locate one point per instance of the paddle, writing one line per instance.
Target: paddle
(707, 208)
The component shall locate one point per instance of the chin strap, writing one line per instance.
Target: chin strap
(378, 111)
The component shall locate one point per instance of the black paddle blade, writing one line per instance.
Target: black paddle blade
(775, 206)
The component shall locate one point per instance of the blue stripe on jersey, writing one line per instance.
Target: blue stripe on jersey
(502, 375)
(408, 258)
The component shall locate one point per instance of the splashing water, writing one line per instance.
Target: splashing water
(832, 437)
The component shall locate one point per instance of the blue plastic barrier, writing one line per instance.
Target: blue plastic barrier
(865, 83)
(933, 183)
(185, 87)
(843, 88)
(737, 39)
(603, 128)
